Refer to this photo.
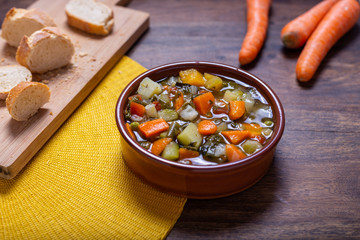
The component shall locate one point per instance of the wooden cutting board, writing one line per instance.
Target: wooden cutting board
(94, 57)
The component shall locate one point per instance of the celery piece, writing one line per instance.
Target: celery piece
(168, 114)
(171, 151)
(190, 136)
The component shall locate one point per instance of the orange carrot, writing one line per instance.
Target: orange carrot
(159, 145)
(236, 136)
(137, 96)
(204, 102)
(130, 131)
(253, 128)
(257, 23)
(233, 153)
(136, 108)
(339, 20)
(179, 101)
(297, 32)
(152, 128)
(186, 153)
(207, 127)
(237, 109)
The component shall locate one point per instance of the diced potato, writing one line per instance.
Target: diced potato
(222, 127)
(171, 151)
(213, 82)
(192, 77)
(151, 110)
(219, 150)
(149, 88)
(168, 114)
(230, 96)
(251, 146)
(249, 102)
(190, 136)
(189, 113)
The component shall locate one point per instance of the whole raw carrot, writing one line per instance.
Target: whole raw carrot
(339, 20)
(297, 32)
(257, 23)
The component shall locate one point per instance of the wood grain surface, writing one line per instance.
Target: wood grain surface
(94, 57)
(312, 190)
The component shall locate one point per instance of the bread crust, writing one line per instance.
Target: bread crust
(103, 29)
(16, 91)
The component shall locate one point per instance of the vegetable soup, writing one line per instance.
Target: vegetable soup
(199, 118)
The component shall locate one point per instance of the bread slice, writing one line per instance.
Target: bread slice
(25, 99)
(45, 50)
(90, 16)
(10, 76)
(19, 22)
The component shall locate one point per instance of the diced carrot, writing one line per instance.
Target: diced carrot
(261, 139)
(136, 108)
(233, 153)
(130, 131)
(192, 77)
(207, 127)
(203, 103)
(236, 136)
(237, 109)
(152, 128)
(159, 145)
(254, 129)
(179, 101)
(137, 96)
(186, 153)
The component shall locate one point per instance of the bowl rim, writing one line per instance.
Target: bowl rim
(268, 94)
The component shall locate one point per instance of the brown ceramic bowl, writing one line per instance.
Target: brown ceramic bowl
(193, 181)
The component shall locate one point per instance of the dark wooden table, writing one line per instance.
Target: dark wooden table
(312, 190)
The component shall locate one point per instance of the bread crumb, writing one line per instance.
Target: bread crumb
(51, 113)
(45, 81)
(83, 54)
(3, 60)
(93, 59)
(120, 72)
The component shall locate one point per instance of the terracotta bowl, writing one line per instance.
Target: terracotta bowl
(193, 181)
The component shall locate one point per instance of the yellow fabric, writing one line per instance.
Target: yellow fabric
(78, 187)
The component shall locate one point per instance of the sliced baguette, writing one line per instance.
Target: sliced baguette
(90, 16)
(25, 99)
(45, 50)
(10, 76)
(19, 22)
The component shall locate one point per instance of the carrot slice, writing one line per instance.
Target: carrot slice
(257, 23)
(207, 127)
(152, 128)
(130, 131)
(297, 31)
(159, 145)
(233, 153)
(203, 103)
(179, 101)
(136, 108)
(236, 136)
(186, 153)
(339, 20)
(237, 109)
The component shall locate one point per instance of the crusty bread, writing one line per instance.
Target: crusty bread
(25, 99)
(10, 76)
(19, 22)
(45, 50)
(90, 16)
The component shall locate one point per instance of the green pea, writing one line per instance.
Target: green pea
(134, 126)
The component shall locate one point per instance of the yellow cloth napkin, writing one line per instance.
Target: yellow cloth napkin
(78, 186)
